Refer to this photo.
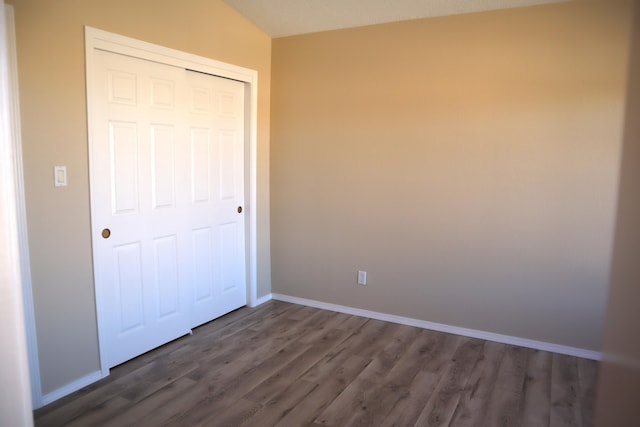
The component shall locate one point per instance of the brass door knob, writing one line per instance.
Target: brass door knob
(239, 209)
(106, 233)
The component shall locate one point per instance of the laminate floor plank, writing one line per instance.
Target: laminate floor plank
(291, 372)
(330, 323)
(242, 320)
(247, 371)
(282, 403)
(239, 355)
(537, 389)
(394, 352)
(476, 396)
(445, 398)
(247, 346)
(352, 324)
(227, 385)
(95, 399)
(142, 410)
(436, 352)
(300, 313)
(240, 413)
(162, 375)
(356, 397)
(403, 359)
(337, 374)
(390, 384)
(506, 400)
(222, 339)
(588, 376)
(179, 403)
(565, 392)
(288, 365)
(408, 407)
(98, 414)
(369, 338)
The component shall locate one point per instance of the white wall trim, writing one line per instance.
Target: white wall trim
(71, 387)
(102, 40)
(15, 398)
(473, 333)
(252, 261)
(262, 300)
(21, 213)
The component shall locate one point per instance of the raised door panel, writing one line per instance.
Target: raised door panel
(163, 166)
(136, 165)
(216, 115)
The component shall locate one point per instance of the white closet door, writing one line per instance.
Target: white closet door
(216, 137)
(150, 239)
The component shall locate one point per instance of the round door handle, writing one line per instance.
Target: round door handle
(239, 209)
(106, 233)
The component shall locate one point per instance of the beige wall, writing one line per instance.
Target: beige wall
(52, 89)
(468, 163)
(619, 384)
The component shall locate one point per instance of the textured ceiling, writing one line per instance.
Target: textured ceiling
(280, 18)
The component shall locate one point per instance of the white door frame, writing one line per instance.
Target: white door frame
(102, 40)
(21, 210)
(16, 400)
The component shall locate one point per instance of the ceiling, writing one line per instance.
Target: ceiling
(281, 18)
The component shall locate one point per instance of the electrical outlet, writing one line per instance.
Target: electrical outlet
(362, 278)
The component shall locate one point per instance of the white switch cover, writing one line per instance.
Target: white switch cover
(362, 277)
(60, 176)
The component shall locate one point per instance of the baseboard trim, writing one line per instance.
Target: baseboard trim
(472, 333)
(262, 300)
(71, 387)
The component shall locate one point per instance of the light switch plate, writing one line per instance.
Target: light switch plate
(60, 176)
(362, 277)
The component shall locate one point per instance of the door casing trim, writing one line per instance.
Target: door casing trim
(21, 212)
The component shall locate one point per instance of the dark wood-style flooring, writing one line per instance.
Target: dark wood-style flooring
(283, 364)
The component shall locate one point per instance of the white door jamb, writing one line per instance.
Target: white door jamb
(21, 213)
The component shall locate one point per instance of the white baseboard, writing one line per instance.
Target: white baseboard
(71, 387)
(262, 300)
(473, 333)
